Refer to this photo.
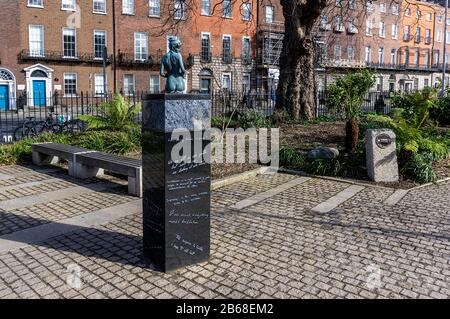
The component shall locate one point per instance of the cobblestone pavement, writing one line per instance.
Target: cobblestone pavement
(275, 248)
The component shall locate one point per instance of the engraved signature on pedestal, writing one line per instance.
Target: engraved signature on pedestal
(186, 246)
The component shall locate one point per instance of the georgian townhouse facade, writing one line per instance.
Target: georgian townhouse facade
(218, 43)
(54, 48)
(395, 39)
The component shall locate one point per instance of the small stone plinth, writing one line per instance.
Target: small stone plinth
(382, 165)
(177, 194)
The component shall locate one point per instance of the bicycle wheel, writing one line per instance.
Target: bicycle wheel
(19, 133)
(74, 126)
(56, 128)
(30, 132)
(40, 127)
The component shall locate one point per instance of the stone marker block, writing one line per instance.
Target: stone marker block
(381, 155)
(177, 195)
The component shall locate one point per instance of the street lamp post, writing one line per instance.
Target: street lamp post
(445, 49)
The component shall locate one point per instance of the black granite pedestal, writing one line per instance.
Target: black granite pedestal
(177, 194)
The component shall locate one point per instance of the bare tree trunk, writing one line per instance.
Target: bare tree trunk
(351, 135)
(297, 85)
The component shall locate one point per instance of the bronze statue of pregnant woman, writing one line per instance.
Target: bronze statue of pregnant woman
(172, 68)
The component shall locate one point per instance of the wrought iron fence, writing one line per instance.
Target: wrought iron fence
(15, 112)
(374, 102)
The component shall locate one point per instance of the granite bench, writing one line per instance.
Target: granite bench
(50, 153)
(95, 163)
(84, 163)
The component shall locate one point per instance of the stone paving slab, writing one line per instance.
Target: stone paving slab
(275, 248)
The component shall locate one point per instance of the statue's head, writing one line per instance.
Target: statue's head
(174, 44)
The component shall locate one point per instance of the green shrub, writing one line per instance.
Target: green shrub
(116, 115)
(292, 157)
(418, 167)
(435, 149)
(326, 167)
(230, 119)
(121, 144)
(251, 119)
(95, 140)
(348, 165)
(441, 113)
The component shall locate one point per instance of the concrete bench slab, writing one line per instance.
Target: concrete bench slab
(50, 153)
(95, 163)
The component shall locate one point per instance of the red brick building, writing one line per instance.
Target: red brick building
(218, 43)
(55, 47)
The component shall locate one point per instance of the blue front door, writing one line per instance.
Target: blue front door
(39, 93)
(4, 97)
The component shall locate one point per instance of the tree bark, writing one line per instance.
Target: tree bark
(351, 135)
(297, 83)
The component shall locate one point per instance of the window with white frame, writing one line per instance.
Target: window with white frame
(381, 55)
(36, 3)
(99, 88)
(382, 29)
(36, 40)
(99, 43)
(128, 7)
(205, 54)
(394, 32)
(227, 8)
(246, 11)
(368, 54)
(416, 56)
(69, 43)
(154, 8)
(226, 81)
(270, 14)
(351, 53)
(406, 32)
(70, 84)
(206, 7)
(226, 48)
(99, 6)
(406, 57)
(337, 53)
(383, 7)
(140, 46)
(393, 57)
(128, 84)
(178, 9)
(246, 49)
(246, 83)
(352, 4)
(68, 5)
(394, 9)
(369, 27)
(154, 84)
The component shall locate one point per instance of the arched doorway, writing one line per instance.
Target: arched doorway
(205, 78)
(39, 85)
(7, 90)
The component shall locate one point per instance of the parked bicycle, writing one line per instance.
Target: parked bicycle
(71, 125)
(32, 127)
(26, 129)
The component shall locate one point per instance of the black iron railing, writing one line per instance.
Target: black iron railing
(58, 56)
